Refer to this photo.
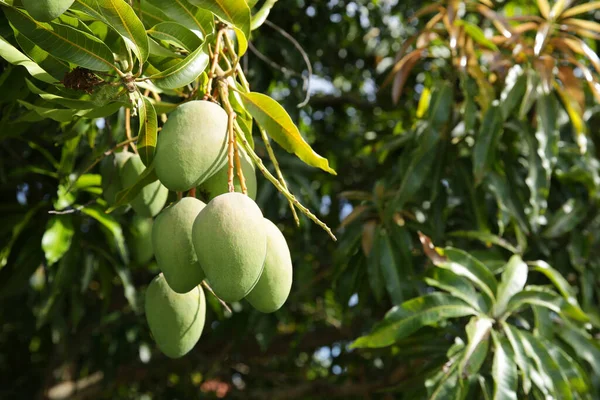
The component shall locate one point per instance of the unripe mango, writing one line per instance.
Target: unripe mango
(192, 145)
(46, 10)
(172, 242)
(275, 283)
(110, 168)
(175, 319)
(141, 239)
(231, 242)
(152, 197)
(217, 184)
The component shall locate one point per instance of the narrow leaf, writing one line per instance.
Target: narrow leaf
(272, 117)
(15, 57)
(512, 282)
(504, 371)
(199, 21)
(147, 136)
(63, 41)
(126, 195)
(236, 12)
(185, 72)
(112, 229)
(57, 238)
(486, 142)
(176, 33)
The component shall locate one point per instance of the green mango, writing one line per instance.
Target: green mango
(46, 10)
(172, 242)
(231, 243)
(275, 283)
(152, 197)
(110, 169)
(141, 239)
(176, 320)
(192, 145)
(217, 184)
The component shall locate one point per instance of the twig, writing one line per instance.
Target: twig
(192, 192)
(258, 162)
(225, 306)
(238, 164)
(230, 134)
(265, 139)
(215, 60)
(304, 57)
(72, 210)
(128, 129)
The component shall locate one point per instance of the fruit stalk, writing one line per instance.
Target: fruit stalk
(225, 306)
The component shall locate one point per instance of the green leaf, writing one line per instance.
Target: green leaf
(476, 34)
(508, 201)
(478, 331)
(512, 282)
(486, 237)
(519, 355)
(126, 195)
(584, 345)
(199, 21)
(112, 229)
(55, 67)
(556, 278)
(371, 233)
(407, 318)
(457, 286)
(574, 373)
(150, 14)
(504, 371)
(57, 238)
(236, 12)
(120, 16)
(565, 219)
(15, 57)
(390, 268)
(184, 72)
(272, 117)
(178, 34)
(463, 264)
(553, 377)
(147, 135)
(547, 299)
(486, 142)
(514, 89)
(64, 42)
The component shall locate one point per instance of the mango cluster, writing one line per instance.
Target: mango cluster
(226, 241)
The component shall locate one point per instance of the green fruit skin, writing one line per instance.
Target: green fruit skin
(217, 184)
(176, 320)
(172, 242)
(192, 145)
(152, 197)
(110, 168)
(231, 242)
(275, 283)
(46, 10)
(141, 235)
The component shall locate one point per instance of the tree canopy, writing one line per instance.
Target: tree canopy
(434, 169)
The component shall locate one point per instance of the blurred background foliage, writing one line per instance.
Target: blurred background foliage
(472, 122)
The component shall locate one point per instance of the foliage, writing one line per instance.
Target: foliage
(487, 148)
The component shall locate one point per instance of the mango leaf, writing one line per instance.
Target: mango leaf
(504, 370)
(199, 21)
(370, 245)
(519, 355)
(512, 281)
(478, 331)
(15, 57)
(55, 67)
(506, 198)
(390, 267)
(487, 238)
(565, 219)
(126, 195)
(584, 345)
(148, 130)
(111, 227)
(457, 286)
(486, 142)
(548, 299)
(546, 365)
(64, 42)
(150, 14)
(569, 367)
(514, 89)
(176, 33)
(556, 278)
(476, 34)
(242, 41)
(407, 318)
(272, 117)
(57, 238)
(236, 12)
(184, 72)
(465, 265)
(120, 16)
